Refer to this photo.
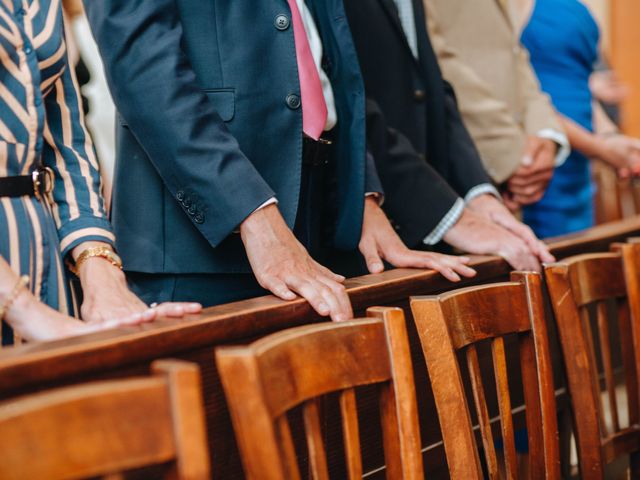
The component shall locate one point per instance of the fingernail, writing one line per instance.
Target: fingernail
(341, 318)
(527, 160)
(323, 308)
(375, 267)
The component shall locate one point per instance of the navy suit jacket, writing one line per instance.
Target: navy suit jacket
(207, 131)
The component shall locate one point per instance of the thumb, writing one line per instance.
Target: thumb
(370, 253)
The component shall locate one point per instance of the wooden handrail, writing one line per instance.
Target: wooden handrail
(27, 365)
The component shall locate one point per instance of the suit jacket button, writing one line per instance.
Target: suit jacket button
(180, 195)
(192, 210)
(281, 22)
(293, 101)
(419, 95)
(199, 219)
(186, 202)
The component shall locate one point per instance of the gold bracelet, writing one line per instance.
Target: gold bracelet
(100, 252)
(20, 284)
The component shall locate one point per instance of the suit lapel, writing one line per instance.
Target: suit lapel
(505, 8)
(391, 10)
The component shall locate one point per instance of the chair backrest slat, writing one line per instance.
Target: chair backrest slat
(607, 364)
(504, 406)
(457, 321)
(482, 412)
(532, 399)
(287, 449)
(300, 367)
(628, 362)
(594, 380)
(351, 433)
(315, 444)
(602, 284)
(103, 428)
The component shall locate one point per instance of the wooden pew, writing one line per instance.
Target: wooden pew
(30, 368)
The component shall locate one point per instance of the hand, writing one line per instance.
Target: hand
(107, 298)
(283, 266)
(491, 209)
(35, 321)
(528, 184)
(380, 242)
(474, 234)
(607, 87)
(622, 152)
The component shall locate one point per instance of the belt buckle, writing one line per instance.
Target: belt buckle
(37, 177)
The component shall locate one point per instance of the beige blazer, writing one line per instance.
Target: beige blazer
(499, 95)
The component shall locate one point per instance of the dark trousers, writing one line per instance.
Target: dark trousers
(311, 229)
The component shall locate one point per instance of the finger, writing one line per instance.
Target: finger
(528, 199)
(340, 293)
(442, 263)
(327, 272)
(545, 255)
(278, 288)
(177, 309)
(308, 289)
(543, 176)
(371, 256)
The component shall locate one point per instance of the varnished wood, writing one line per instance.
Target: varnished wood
(457, 321)
(103, 428)
(351, 433)
(483, 413)
(299, 366)
(575, 285)
(129, 351)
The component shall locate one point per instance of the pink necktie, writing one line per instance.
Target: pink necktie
(314, 108)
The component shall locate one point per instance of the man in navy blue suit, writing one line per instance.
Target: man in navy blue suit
(241, 149)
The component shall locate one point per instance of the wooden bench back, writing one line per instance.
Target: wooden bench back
(297, 367)
(456, 322)
(593, 287)
(103, 428)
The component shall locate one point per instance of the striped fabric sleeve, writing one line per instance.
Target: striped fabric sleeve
(78, 206)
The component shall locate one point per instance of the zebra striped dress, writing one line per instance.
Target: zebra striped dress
(41, 124)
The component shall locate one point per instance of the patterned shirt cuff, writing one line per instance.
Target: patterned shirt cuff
(482, 189)
(564, 149)
(85, 230)
(448, 221)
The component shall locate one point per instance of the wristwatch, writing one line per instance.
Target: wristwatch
(101, 252)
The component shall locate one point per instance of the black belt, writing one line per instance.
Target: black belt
(38, 184)
(316, 152)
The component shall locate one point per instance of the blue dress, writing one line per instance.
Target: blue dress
(562, 38)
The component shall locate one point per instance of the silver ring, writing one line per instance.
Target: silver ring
(153, 305)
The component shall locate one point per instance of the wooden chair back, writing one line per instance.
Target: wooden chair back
(604, 286)
(297, 367)
(105, 428)
(451, 326)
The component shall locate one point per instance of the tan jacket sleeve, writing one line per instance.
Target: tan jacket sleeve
(498, 137)
(539, 114)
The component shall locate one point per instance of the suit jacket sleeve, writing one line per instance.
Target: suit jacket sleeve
(416, 197)
(540, 114)
(498, 137)
(158, 96)
(466, 168)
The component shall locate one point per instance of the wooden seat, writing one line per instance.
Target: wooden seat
(452, 326)
(104, 428)
(297, 367)
(581, 288)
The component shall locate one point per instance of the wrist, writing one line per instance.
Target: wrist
(101, 252)
(259, 220)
